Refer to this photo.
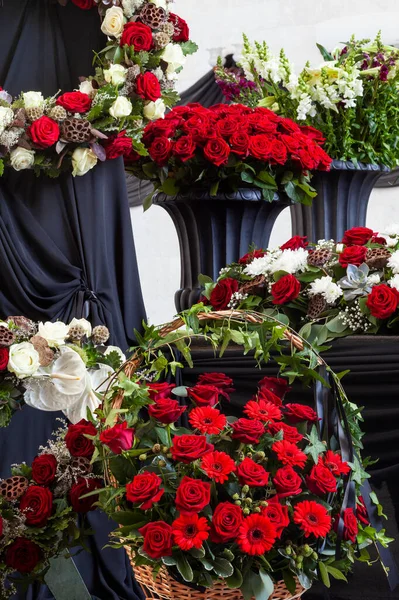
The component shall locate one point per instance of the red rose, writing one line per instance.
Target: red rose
(357, 236)
(219, 380)
(278, 152)
(44, 132)
(251, 473)
(382, 301)
(37, 505)
(121, 145)
(44, 468)
(222, 293)
(376, 239)
(160, 150)
(286, 289)
(322, 159)
(277, 513)
(137, 35)
(160, 390)
(181, 33)
(217, 151)
(249, 257)
(287, 126)
(277, 385)
(289, 454)
(312, 133)
(75, 102)
(295, 413)
(262, 125)
(226, 521)
(290, 434)
(352, 255)
(248, 431)
(185, 148)
(148, 87)
(292, 143)
(4, 354)
(321, 481)
(192, 495)
(157, 539)
(361, 511)
(118, 438)
(260, 146)
(75, 440)
(239, 143)
(256, 535)
(287, 482)
(145, 489)
(166, 410)
(198, 127)
(23, 555)
(351, 528)
(227, 126)
(305, 159)
(295, 243)
(204, 395)
(84, 4)
(82, 487)
(187, 448)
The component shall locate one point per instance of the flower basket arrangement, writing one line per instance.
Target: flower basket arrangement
(326, 290)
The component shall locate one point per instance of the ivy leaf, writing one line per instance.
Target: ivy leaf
(358, 473)
(316, 446)
(374, 500)
(189, 47)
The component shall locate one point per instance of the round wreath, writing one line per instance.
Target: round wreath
(103, 119)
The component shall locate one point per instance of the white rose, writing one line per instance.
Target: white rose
(22, 159)
(115, 349)
(155, 110)
(33, 99)
(83, 159)
(83, 323)
(114, 22)
(339, 248)
(54, 333)
(173, 55)
(161, 3)
(116, 74)
(6, 117)
(24, 361)
(86, 87)
(122, 107)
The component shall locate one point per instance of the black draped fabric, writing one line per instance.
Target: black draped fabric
(66, 245)
(373, 383)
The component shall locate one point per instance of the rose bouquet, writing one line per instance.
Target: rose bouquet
(351, 97)
(39, 505)
(227, 147)
(54, 366)
(329, 289)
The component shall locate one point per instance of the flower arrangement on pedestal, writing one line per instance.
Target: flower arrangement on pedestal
(133, 84)
(329, 289)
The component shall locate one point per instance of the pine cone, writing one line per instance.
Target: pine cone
(377, 258)
(100, 335)
(318, 258)
(82, 465)
(132, 73)
(76, 130)
(316, 306)
(256, 287)
(14, 487)
(34, 113)
(161, 40)
(58, 113)
(76, 333)
(167, 28)
(152, 15)
(7, 337)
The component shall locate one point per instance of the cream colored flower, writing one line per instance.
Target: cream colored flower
(23, 360)
(54, 333)
(6, 117)
(33, 99)
(86, 87)
(155, 110)
(173, 55)
(122, 107)
(160, 3)
(83, 323)
(116, 74)
(83, 160)
(114, 22)
(21, 159)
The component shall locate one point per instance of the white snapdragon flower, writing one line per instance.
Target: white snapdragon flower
(54, 333)
(327, 288)
(23, 360)
(394, 282)
(305, 107)
(393, 262)
(291, 261)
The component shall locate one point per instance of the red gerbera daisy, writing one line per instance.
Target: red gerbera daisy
(312, 518)
(256, 535)
(207, 420)
(218, 466)
(336, 465)
(190, 531)
(289, 454)
(290, 434)
(262, 410)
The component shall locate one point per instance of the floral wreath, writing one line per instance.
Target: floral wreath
(133, 84)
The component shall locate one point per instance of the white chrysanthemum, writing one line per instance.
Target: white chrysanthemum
(262, 265)
(130, 7)
(394, 282)
(291, 261)
(327, 288)
(393, 262)
(392, 230)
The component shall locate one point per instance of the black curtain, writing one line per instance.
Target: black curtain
(66, 245)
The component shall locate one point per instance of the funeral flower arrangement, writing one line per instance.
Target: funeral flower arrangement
(54, 366)
(39, 505)
(327, 290)
(351, 97)
(228, 147)
(103, 119)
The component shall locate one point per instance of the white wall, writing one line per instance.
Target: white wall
(295, 25)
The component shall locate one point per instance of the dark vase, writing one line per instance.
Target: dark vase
(341, 203)
(215, 231)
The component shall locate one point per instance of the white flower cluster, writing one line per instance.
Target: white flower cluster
(353, 318)
(393, 262)
(290, 261)
(326, 288)
(236, 299)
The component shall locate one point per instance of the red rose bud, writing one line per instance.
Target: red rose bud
(351, 528)
(248, 431)
(44, 132)
(4, 354)
(287, 482)
(82, 487)
(181, 33)
(160, 390)
(75, 102)
(120, 145)
(118, 438)
(222, 293)
(276, 385)
(285, 289)
(278, 515)
(148, 87)
(166, 410)
(361, 511)
(357, 236)
(352, 255)
(249, 257)
(137, 35)
(23, 555)
(256, 535)
(145, 489)
(77, 442)
(295, 243)
(188, 448)
(251, 473)
(382, 301)
(157, 539)
(192, 495)
(321, 481)
(204, 395)
(290, 434)
(296, 413)
(44, 468)
(37, 505)
(219, 380)
(226, 521)
(289, 454)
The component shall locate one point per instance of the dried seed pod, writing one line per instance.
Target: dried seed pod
(76, 130)
(377, 258)
(76, 333)
(317, 305)
(58, 113)
(318, 258)
(14, 487)
(152, 15)
(34, 113)
(100, 334)
(7, 337)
